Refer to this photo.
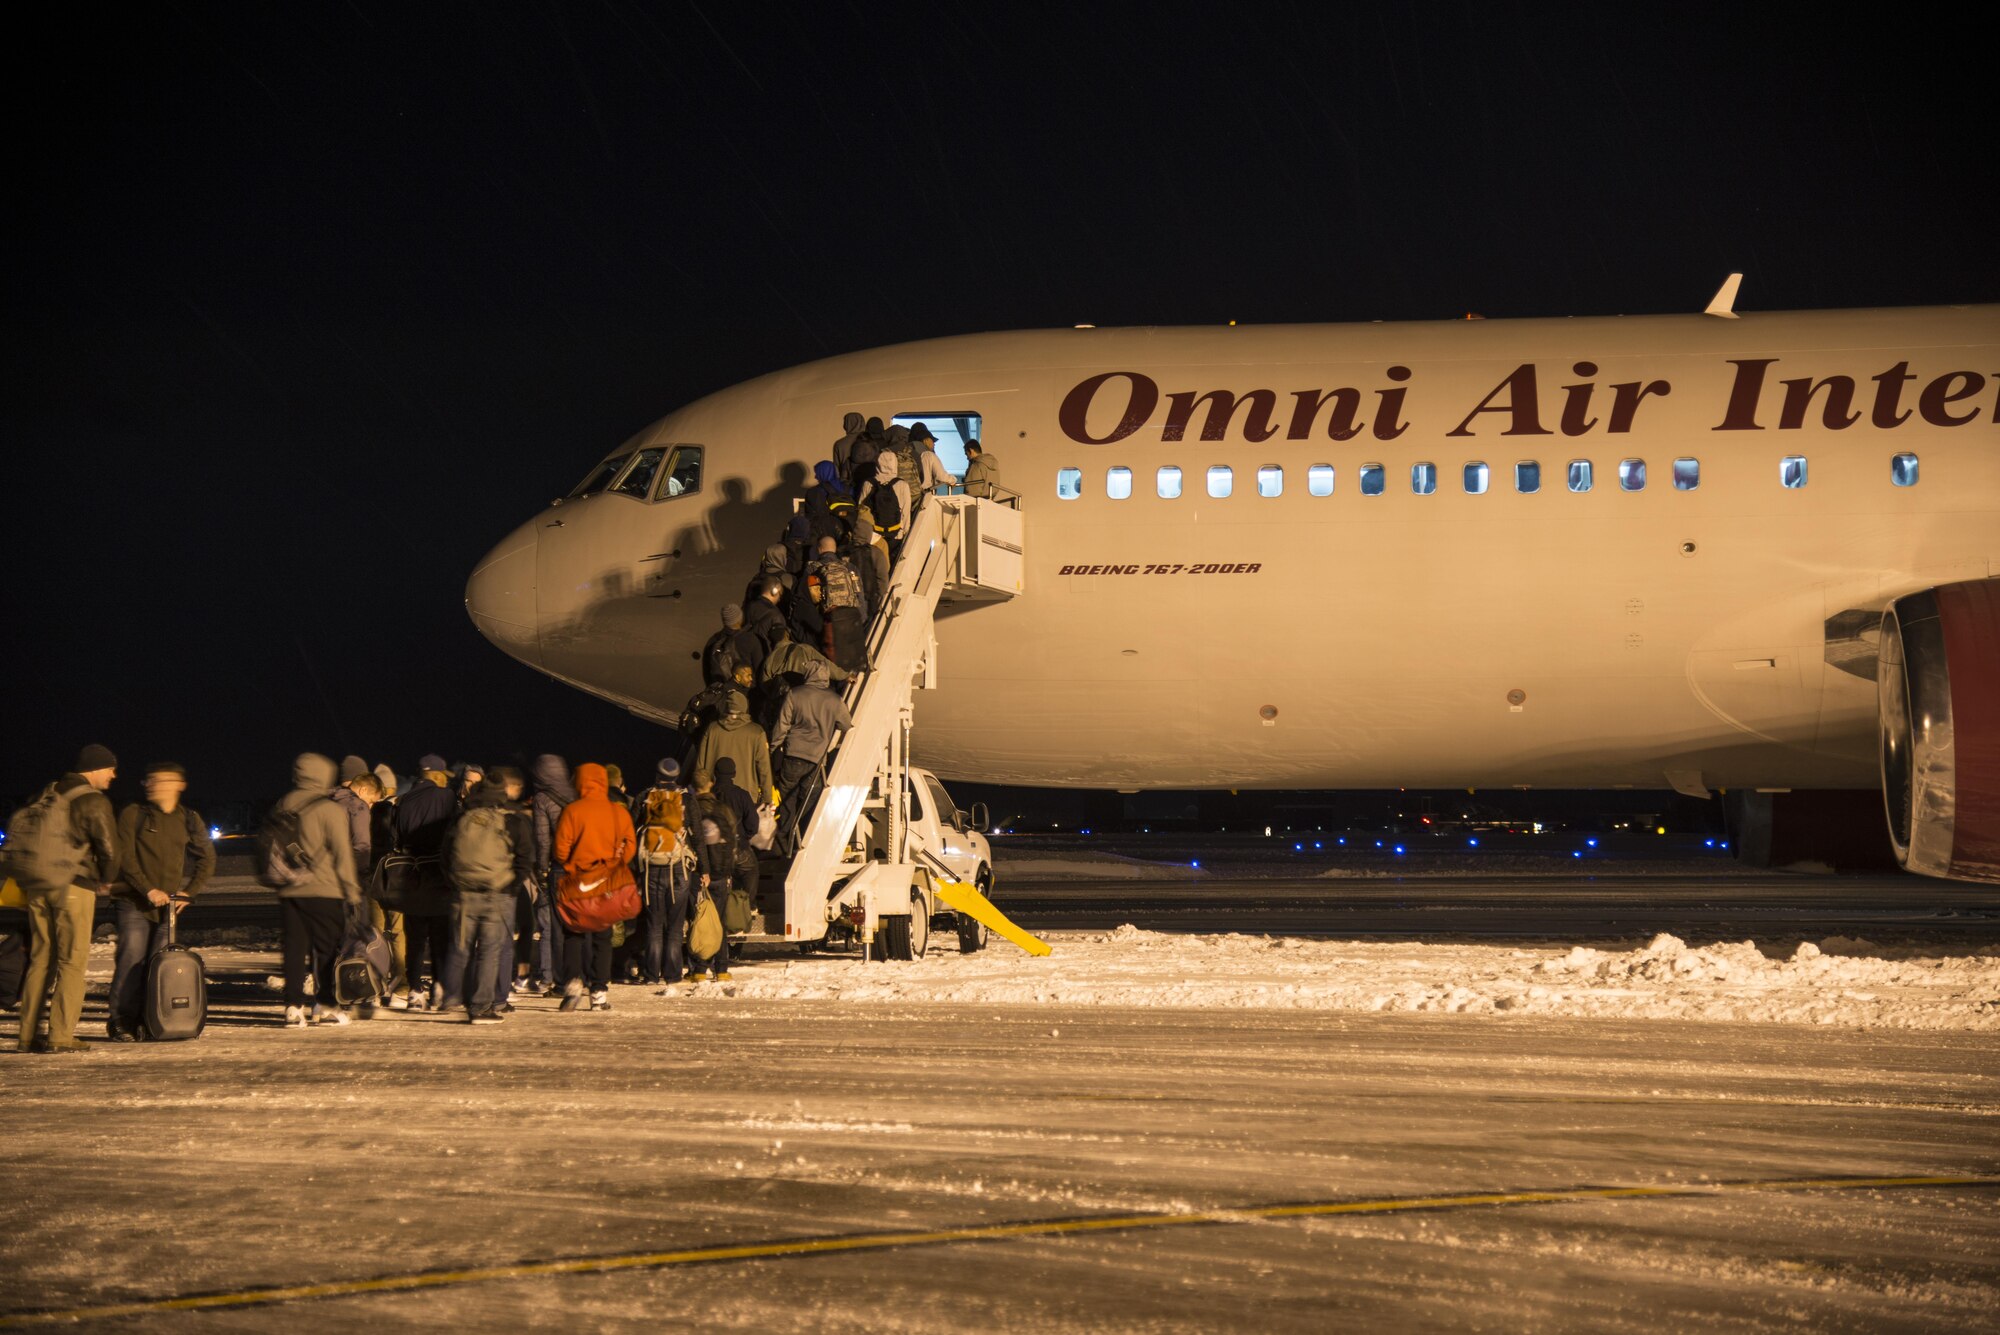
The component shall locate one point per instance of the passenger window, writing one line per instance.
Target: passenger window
(1170, 483)
(1220, 481)
(1069, 483)
(1118, 484)
(1270, 480)
(1632, 474)
(1527, 477)
(638, 480)
(1903, 470)
(1687, 474)
(1579, 475)
(1372, 478)
(683, 472)
(599, 477)
(953, 431)
(1792, 471)
(1423, 478)
(1319, 480)
(1476, 478)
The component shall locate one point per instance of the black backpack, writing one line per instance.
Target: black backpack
(885, 510)
(719, 658)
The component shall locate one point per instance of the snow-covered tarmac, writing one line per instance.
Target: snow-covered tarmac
(1130, 1071)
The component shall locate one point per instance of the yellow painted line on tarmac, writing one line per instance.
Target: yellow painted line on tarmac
(872, 1242)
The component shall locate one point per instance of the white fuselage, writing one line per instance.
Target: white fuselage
(1718, 635)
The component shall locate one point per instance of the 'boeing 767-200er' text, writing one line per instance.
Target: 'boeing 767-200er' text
(1687, 551)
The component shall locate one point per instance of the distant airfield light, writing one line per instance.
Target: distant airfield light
(1591, 842)
(1267, 832)
(1378, 843)
(1659, 829)
(1473, 842)
(1195, 863)
(1298, 848)
(1576, 853)
(1708, 843)
(1083, 326)
(1399, 850)
(1725, 843)
(1317, 845)
(214, 833)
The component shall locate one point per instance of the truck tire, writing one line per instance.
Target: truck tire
(972, 933)
(892, 939)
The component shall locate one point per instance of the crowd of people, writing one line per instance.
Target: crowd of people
(474, 885)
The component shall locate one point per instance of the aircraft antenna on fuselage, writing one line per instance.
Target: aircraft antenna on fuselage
(1724, 301)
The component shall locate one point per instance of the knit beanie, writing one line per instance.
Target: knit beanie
(95, 757)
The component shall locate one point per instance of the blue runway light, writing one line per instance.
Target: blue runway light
(1378, 843)
(1473, 842)
(1591, 842)
(1709, 843)
(1298, 848)
(1576, 853)
(1196, 862)
(1725, 843)
(1399, 850)
(1318, 845)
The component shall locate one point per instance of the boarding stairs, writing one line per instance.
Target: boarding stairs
(860, 868)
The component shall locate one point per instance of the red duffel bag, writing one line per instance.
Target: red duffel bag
(594, 898)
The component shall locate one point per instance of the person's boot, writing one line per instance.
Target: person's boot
(573, 997)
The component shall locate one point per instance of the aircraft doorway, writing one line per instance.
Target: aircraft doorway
(952, 429)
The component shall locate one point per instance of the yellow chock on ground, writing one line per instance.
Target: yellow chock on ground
(962, 898)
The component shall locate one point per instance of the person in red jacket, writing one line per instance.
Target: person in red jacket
(594, 833)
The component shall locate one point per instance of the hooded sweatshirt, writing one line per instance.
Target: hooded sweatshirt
(843, 449)
(594, 831)
(738, 737)
(553, 792)
(886, 480)
(811, 715)
(323, 833)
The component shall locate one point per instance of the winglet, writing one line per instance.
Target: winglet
(1724, 303)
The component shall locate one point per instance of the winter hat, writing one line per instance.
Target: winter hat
(433, 761)
(669, 769)
(732, 614)
(95, 757)
(173, 767)
(352, 767)
(388, 778)
(725, 768)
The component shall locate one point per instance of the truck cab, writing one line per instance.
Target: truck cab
(958, 840)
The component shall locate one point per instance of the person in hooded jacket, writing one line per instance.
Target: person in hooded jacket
(423, 815)
(812, 715)
(387, 919)
(737, 737)
(593, 835)
(664, 878)
(869, 555)
(843, 449)
(887, 501)
(867, 449)
(361, 835)
(828, 503)
(729, 646)
(715, 838)
(982, 470)
(483, 901)
(553, 792)
(313, 910)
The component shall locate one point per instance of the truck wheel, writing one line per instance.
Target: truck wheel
(972, 933)
(920, 924)
(892, 939)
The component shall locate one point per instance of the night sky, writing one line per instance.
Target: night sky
(309, 305)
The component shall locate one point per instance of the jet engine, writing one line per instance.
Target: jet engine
(1939, 682)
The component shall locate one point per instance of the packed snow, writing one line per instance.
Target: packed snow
(1838, 981)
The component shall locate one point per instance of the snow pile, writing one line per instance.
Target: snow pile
(1840, 981)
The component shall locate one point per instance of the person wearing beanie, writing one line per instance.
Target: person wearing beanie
(728, 647)
(665, 859)
(63, 864)
(736, 736)
(167, 858)
(352, 767)
(313, 909)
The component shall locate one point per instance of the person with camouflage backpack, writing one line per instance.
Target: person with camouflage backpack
(62, 850)
(666, 857)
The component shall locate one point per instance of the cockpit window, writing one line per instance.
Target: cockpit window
(638, 480)
(599, 477)
(683, 472)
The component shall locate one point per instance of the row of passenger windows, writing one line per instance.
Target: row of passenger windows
(1476, 478)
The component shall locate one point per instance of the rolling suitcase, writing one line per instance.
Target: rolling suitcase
(176, 991)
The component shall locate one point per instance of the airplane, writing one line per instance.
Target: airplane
(1706, 551)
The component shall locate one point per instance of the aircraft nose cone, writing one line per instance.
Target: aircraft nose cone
(500, 596)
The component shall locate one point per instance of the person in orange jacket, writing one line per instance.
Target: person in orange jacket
(594, 833)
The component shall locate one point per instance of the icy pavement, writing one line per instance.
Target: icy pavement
(406, 1146)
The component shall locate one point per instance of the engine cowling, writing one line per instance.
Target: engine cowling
(1938, 673)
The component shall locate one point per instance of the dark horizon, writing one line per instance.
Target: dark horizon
(315, 306)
